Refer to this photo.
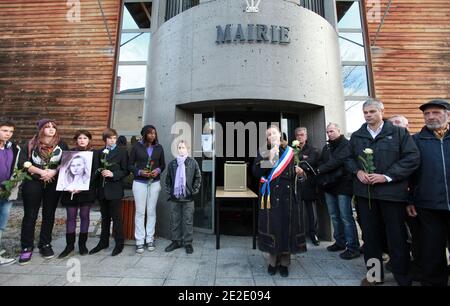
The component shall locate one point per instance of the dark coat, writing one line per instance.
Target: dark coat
(331, 171)
(193, 179)
(113, 189)
(395, 155)
(430, 184)
(281, 228)
(34, 156)
(85, 197)
(139, 159)
(308, 188)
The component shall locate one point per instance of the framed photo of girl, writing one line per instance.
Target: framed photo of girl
(75, 171)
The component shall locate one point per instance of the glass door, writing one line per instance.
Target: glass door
(204, 154)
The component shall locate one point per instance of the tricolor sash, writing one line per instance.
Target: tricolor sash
(278, 168)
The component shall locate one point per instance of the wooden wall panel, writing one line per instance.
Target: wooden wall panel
(411, 55)
(52, 68)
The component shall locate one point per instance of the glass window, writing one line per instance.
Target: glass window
(355, 80)
(134, 46)
(348, 15)
(128, 115)
(131, 78)
(352, 47)
(354, 115)
(137, 15)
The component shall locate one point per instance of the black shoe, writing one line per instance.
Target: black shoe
(361, 249)
(70, 246)
(100, 246)
(271, 270)
(335, 247)
(82, 238)
(67, 251)
(284, 272)
(315, 240)
(46, 251)
(349, 254)
(117, 250)
(173, 246)
(189, 249)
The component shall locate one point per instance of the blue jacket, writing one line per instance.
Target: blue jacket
(430, 185)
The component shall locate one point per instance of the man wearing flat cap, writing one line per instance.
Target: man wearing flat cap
(430, 187)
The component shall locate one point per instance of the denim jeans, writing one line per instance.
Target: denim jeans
(145, 198)
(5, 207)
(344, 226)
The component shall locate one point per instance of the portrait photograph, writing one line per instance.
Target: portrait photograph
(75, 171)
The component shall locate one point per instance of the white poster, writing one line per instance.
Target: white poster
(207, 142)
(75, 171)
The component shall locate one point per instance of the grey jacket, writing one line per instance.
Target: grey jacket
(193, 180)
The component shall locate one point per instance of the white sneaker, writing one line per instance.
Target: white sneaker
(140, 249)
(6, 261)
(151, 246)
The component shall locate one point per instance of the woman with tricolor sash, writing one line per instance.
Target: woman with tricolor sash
(280, 225)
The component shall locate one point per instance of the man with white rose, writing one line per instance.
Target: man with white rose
(383, 157)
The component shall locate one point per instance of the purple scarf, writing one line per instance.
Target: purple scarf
(180, 178)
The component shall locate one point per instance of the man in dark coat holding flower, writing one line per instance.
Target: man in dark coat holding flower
(381, 188)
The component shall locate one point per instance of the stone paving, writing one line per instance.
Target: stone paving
(235, 264)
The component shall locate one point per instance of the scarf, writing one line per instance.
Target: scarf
(180, 178)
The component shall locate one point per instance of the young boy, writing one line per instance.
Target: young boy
(9, 153)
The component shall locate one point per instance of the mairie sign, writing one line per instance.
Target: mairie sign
(252, 33)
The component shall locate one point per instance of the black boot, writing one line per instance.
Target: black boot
(100, 246)
(70, 245)
(82, 238)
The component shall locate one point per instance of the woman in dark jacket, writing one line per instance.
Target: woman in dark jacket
(113, 164)
(280, 226)
(43, 153)
(80, 200)
(146, 163)
(183, 181)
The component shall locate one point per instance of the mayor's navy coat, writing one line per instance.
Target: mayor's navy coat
(280, 224)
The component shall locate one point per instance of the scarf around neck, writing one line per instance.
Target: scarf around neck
(180, 178)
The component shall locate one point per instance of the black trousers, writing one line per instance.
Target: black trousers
(34, 194)
(385, 218)
(111, 210)
(434, 234)
(311, 211)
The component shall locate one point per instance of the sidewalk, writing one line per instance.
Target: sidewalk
(235, 264)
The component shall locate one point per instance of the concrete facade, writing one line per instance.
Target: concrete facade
(190, 73)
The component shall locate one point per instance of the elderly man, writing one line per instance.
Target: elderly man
(382, 194)
(399, 120)
(430, 187)
(307, 187)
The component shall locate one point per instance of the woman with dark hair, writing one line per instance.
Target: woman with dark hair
(81, 201)
(280, 224)
(44, 152)
(113, 163)
(146, 163)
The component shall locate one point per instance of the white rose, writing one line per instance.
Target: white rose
(368, 151)
(27, 164)
(105, 151)
(295, 143)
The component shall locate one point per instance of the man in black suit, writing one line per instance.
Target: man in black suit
(114, 168)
